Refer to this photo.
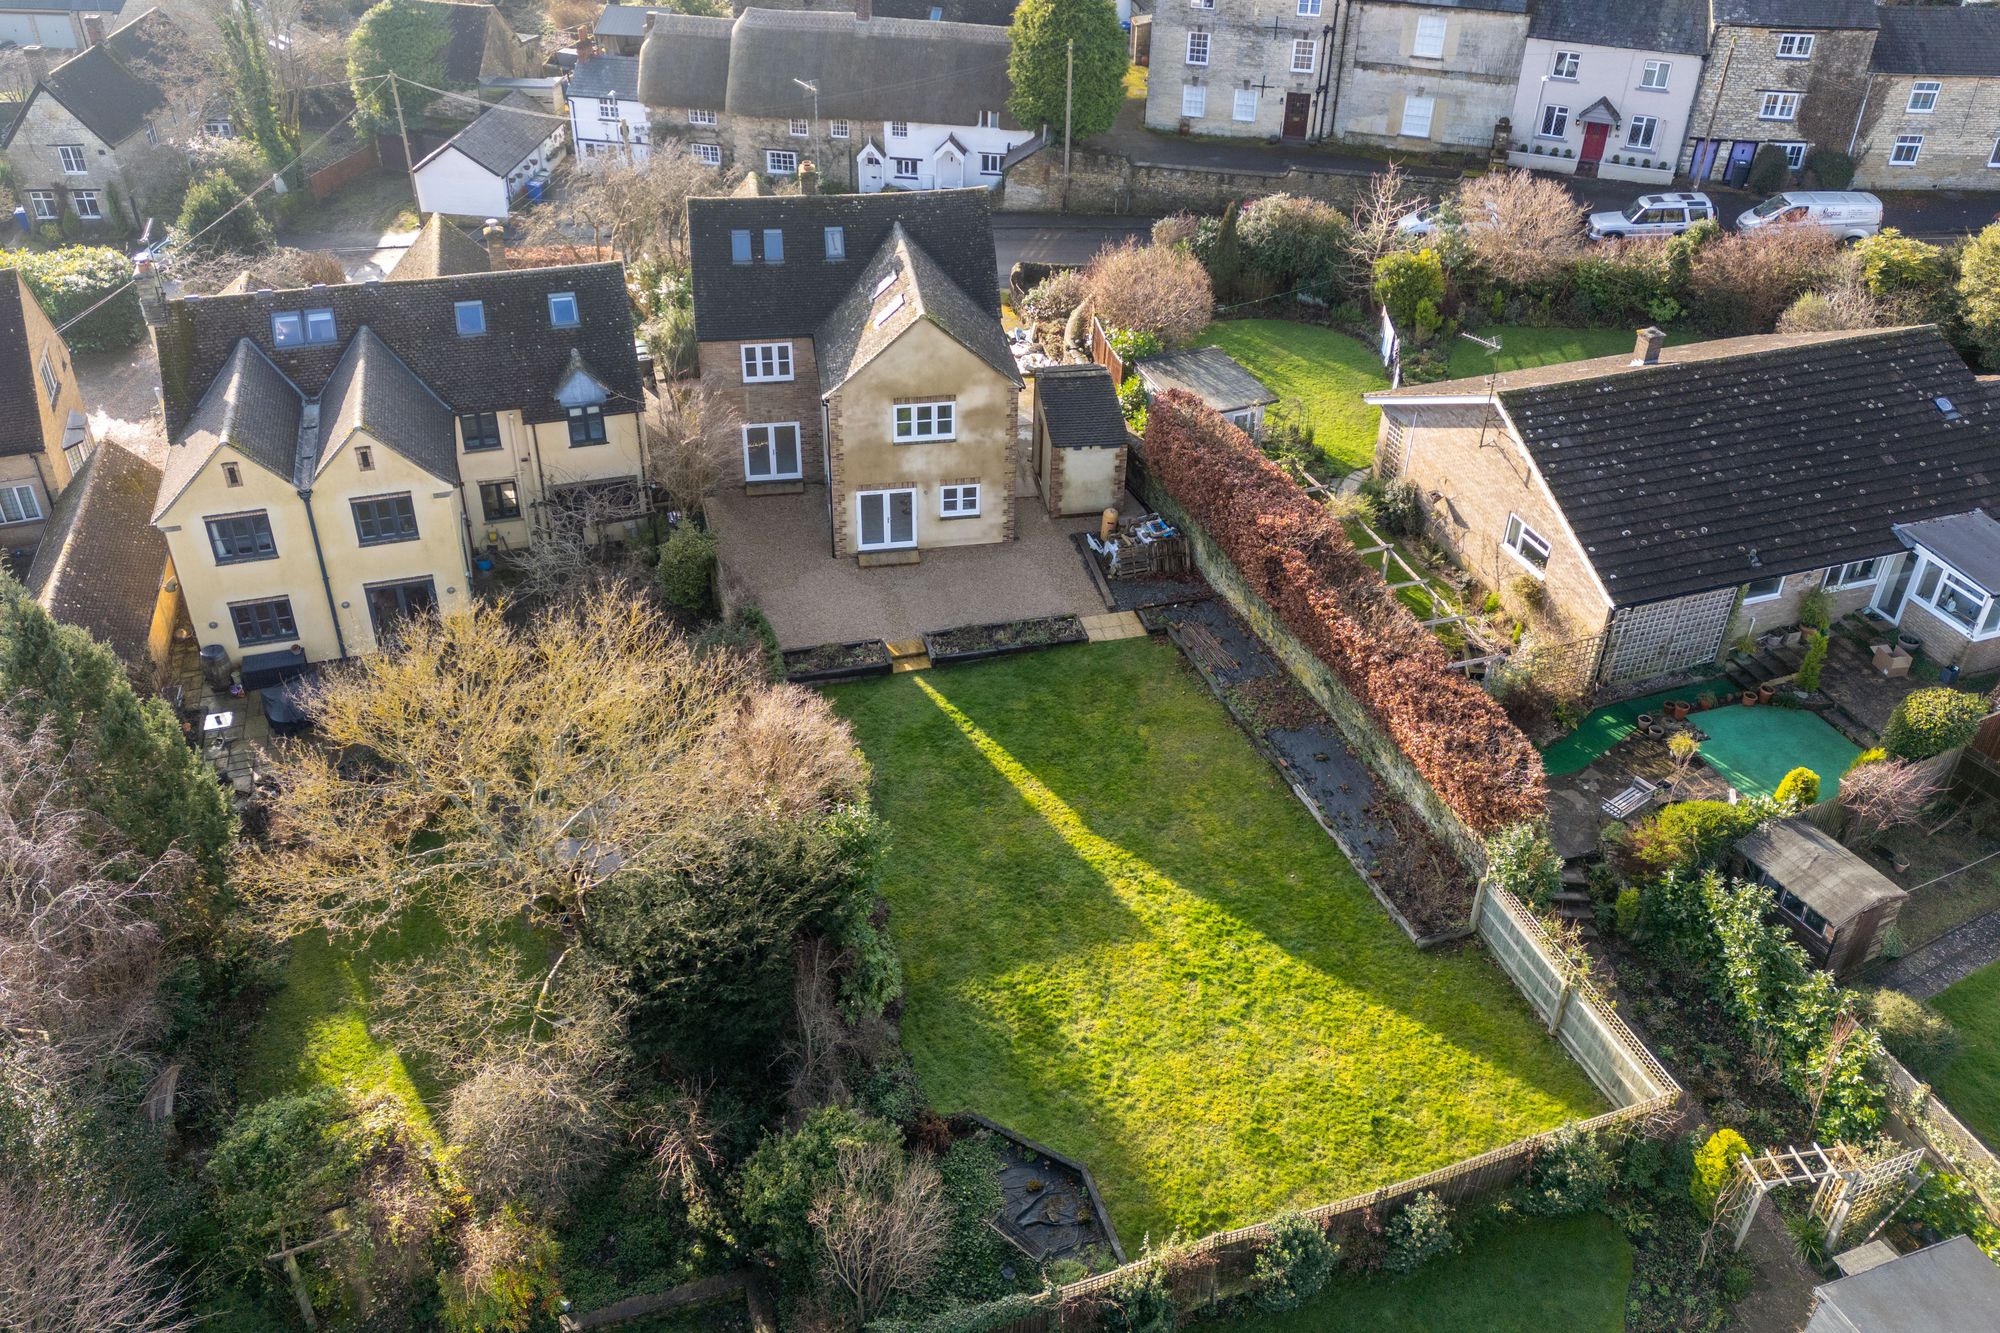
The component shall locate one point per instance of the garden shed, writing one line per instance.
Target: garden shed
(1949, 1287)
(1215, 377)
(1079, 439)
(1837, 904)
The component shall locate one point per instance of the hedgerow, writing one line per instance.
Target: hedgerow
(1295, 556)
(76, 278)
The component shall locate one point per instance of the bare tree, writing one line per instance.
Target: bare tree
(202, 271)
(570, 556)
(681, 457)
(1522, 229)
(880, 1223)
(1844, 305)
(819, 1039)
(1378, 215)
(1881, 796)
(628, 209)
(69, 1268)
(1147, 288)
(530, 1126)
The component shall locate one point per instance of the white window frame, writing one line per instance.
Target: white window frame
(1243, 105)
(708, 154)
(218, 129)
(1307, 49)
(1779, 105)
(899, 129)
(43, 207)
(88, 206)
(1197, 49)
(1981, 627)
(1913, 142)
(780, 162)
(1632, 139)
(25, 503)
(607, 108)
(990, 164)
(1194, 106)
(1777, 590)
(1428, 43)
(837, 129)
(1430, 116)
(1927, 89)
(770, 446)
(1201, 4)
(1560, 116)
(767, 363)
(1795, 154)
(73, 159)
(560, 300)
(1565, 65)
(906, 168)
(924, 422)
(1842, 577)
(1795, 45)
(51, 382)
(959, 501)
(1664, 68)
(1309, 9)
(800, 127)
(1518, 536)
(889, 543)
(699, 116)
(989, 120)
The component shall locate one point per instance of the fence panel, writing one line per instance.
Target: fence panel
(335, 176)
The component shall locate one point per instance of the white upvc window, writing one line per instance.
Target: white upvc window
(899, 129)
(837, 128)
(1779, 106)
(1526, 545)
(19, 504)
(1305, 54)
(1201, 4)
(1906, 150)
(607, 108)
(1641, 132)
(906, 168)
(1417, 113)
(86, 204)
(73, 161)
(1429, 42)
(1555, 123)
(800, 127)
(990, 163)
(708, 154)
(1194, 105)
(887, 520)
(766, 363)
(958, 502)
(1244, 105)
(1956, 599)
(989, 120)
(1795, 154)
(925, 421)
(1795, 46)
(1763, 590)
(42, 203)
(1924, 96)
(1197, 48)
(1654, 76)
(1566, 65)
(1309, 9)
(697, 116)
(1854, 574)
(771, 451)
(779, 162)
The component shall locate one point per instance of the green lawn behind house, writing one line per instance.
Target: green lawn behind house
(1327, 371)
(1125, 938)
(1522, 346)
(1970, 1084)
(1533, 1276)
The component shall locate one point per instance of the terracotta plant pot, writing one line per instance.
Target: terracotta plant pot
(1645, 721)
(1749, 698)
(1764, 694)
(1678, 708)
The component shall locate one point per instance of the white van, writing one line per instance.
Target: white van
(1847, 215)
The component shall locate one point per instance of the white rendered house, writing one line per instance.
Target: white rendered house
(607, 120)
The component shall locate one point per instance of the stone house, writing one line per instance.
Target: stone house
(1791, 73)
(44, 436)
(1671, 501)
(1930, 115)
(1253, 69)
(852, 343)
(607, 121)
(1605, 87)
(772, 89)
(341, 456)
(1427, 75)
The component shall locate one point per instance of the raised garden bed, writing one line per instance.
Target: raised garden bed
(976, 643)
(1052, 1210)
(837, 661)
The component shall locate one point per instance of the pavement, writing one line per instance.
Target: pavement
(1950, 958)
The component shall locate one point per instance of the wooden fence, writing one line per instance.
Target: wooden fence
(1102, 352)
(337, 175)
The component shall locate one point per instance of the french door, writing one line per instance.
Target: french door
(887, 519)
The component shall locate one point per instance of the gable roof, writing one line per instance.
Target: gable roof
(1080, 406)
(1807, 14)
(1680, 26)
(1210, 374)
(606, 76)
(250, 407)
(515, 365)
(1746, 458)
(20, 403)
(440, 250)
(505, 135)
(623, 20)
(894, 291)
(954, 228)
(372, 390)
(100, 560)
(1803, 858)
(464, 56)
(1939, 42)
(111, 87)
(684, 61)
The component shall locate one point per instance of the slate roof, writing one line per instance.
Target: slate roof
(515, 365)
(1940, 43)
(623, 21)
(1949, 1287)
(867, 321)
(61, 6)
(20, 402)
(100, 560)
(1826, 876)
(606, 76)
(505, 135)
(112, 87)
(440, 250)
(371, 389)
(791, 300)
(1804, 14)
(1680, 26)
(1490, 6)
(862, 67)
(1080, 405)
(1209, 373)
(1968, 542)
(250, 407)
(1743, 458)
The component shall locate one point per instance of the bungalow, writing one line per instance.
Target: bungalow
(1670, 501)
(480, 171)
(852, 343)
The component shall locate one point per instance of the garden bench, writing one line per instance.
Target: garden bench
(1632, 800)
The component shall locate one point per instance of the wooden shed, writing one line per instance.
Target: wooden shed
(1079, 439)
(1838, 905)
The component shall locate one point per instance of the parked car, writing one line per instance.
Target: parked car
(1847, 215)
(1426, 220)
(1653, 215)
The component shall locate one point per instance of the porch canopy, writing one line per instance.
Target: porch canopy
(1958, 573)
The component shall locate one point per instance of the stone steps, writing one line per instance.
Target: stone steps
(908, 655)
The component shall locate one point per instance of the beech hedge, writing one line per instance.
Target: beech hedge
(1295, 555)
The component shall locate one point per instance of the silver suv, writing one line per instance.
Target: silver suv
(1654, 215)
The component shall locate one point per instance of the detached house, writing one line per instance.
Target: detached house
(853, 343)
(1930, 115)
(874, 103)
(1672, 500)
(341, 455)
(480, 171)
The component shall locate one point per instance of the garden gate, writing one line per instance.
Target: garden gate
(1850, 1189)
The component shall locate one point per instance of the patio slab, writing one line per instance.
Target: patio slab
(774, 550)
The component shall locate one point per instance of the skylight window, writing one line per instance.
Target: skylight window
(888, 310)
(1946, 406)
(562, 310)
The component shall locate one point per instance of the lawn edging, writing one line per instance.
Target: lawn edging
(1062, 631)
(871, 659)
(1043, 1149)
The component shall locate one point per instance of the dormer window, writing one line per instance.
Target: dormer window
(471, 317)
(563, 310)
(232, 475)
(319, 326)
(836, 243)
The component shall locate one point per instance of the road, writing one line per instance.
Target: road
(1060, 238)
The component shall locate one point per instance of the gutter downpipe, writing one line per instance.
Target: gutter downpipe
(1331, 105)
(333, 609)
(1867, 91)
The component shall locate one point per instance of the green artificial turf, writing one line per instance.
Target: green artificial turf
(1123, 937)
(1754, 747)
(1606, 726)
(1325, 370)
(1970, 1084)
(1535, 1276)
(1522, 346)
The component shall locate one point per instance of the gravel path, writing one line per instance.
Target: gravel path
(1956, 954)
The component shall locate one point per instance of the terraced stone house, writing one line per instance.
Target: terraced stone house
(1930, 112)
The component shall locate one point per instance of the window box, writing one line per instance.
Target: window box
(837, 661)
(977, 643)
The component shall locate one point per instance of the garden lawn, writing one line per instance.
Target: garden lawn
(1532, 1276)
(1970, 1084)
(1124, 938)
(1325, 370)
(1522, 346)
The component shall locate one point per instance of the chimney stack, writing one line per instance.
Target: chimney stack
(495, 237)
(808, 178)
(1646, 352)
(37, 58)
(586, 45)
(864, 10)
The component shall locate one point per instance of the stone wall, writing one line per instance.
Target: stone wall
(1743, 65)
(1250, 46)
(1106, 183)
(1959, 136)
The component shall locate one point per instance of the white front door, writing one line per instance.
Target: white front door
(871, 174)
(887, 519)
(950, 172)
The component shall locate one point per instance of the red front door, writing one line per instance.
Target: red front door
(1593, 144)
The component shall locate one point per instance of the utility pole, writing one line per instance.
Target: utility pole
(409, 162)
(1069, 97)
